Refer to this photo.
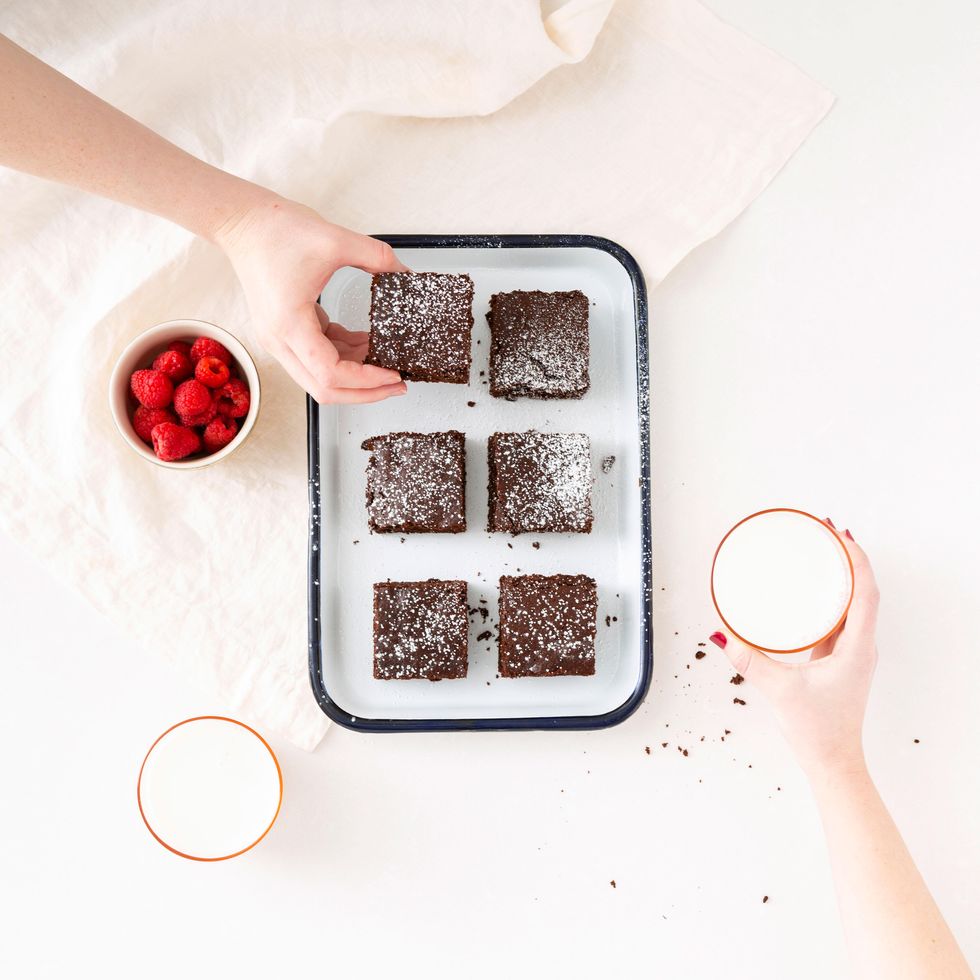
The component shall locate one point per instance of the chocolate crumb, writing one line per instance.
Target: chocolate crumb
(915, 740)
(699, 655)
(727, 731)
(646, 748)
(765, 898)
(357, 542)
(738, 701)
(608, 621)
(615, 619)
(613, 882)
(402, 540)
(471, 404)
(702, 644)
(482, 373)
(509, 545)
(485, 635)
(535, 545)
(607, 463)
(737, 679)
(663, 745)
(488, 683)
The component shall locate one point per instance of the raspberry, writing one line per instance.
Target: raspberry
(206, 347)
(191, 398)
(181, 346)
(219, 433)
(172, 442)
(145, 419)
(151, 388)
(211, 372)
(203, 418)
(234, 399)
(174, 365)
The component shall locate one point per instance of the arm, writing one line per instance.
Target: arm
(892, 926)
(283, 253)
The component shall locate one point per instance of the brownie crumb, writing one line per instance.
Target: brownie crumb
(536, 545)
(738, 701)
(509, 545)
(471, 404)
(607, 463)
(613, 882)
(737, 679)
(915, 740)
(357, 542)
(702, 644)
(663, 745)
(485, 635)
(765, 898)
(699, 655)
(608, 621)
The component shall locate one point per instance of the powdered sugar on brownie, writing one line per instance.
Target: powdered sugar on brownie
(416, 482)
(421, 325)
(540, 481)
(547, 625)
(539, 344)
(420, 630)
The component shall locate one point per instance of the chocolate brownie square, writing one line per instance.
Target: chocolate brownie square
(539, 344)
(421, 324)
(420, 630)
(547, 625)
(416, 482)
(540, 481)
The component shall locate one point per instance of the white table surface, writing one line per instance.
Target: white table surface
(821, 352)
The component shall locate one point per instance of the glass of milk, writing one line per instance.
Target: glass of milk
(210, 788)
(782, 581)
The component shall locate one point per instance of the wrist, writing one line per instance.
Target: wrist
(850, 769)
(231, 202)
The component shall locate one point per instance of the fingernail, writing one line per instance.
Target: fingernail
(719, 640)
(848, 534)
(830, 522)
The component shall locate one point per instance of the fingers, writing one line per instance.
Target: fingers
(753, 665)
(369, 254)
(363, 396)
(320, 358)
(862, 617)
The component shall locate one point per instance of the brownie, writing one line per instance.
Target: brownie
(421, 323)
(539, 344)
(540, 481)
(547, 625)
(420, 630)
(416, 482)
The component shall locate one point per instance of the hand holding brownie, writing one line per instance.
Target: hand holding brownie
(284, 254)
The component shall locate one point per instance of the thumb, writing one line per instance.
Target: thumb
(753, 665)
(369, 254)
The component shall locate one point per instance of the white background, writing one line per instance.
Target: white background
(822, 352)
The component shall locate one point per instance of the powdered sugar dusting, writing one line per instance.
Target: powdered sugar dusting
(420, 630)
(540, 481)
(547, 625)
(421, 324)
(539, 344)
(416, 482)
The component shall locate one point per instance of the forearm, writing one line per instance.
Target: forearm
(892, 925)
(53, 128)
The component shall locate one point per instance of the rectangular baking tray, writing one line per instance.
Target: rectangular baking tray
(345, 559)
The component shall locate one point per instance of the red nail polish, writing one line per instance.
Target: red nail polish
(830, 522)
(719, 640)
(848, 534)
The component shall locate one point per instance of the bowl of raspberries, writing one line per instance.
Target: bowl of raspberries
(184, 393)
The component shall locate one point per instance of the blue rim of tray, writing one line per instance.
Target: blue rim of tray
(560, 723)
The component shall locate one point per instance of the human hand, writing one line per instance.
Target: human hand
(284, 253)
(820, 704)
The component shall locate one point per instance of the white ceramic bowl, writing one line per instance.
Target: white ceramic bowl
(140, 353)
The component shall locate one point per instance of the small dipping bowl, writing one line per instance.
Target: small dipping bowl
(140, 353)
(782, 581)
(209, 789)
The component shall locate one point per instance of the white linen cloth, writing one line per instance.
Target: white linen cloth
(432, 116)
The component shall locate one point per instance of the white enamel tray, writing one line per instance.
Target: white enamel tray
(346, 559)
